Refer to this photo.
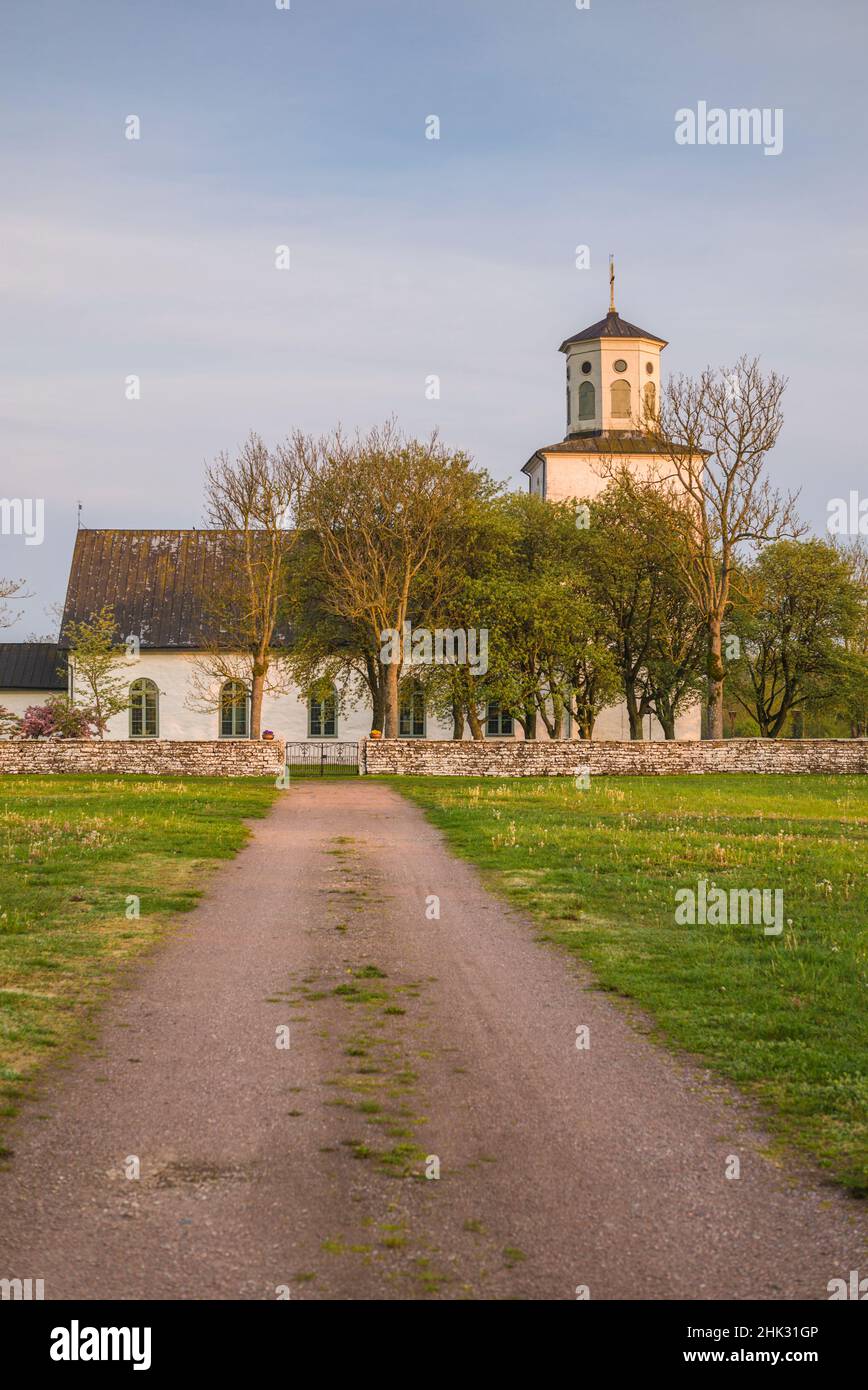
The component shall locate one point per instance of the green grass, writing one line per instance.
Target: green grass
(73, 850)
(784, 1017)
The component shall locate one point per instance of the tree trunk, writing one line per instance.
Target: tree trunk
(390, 713)
(557, 729)
(529, 723)
(375, 686)
(715, 674)
(475, 725)
(634, 714)
(257, 688)
(585, 721)
(667, 724)
(457, 719)
(379, 711)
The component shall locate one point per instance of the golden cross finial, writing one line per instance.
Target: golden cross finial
(612, 309)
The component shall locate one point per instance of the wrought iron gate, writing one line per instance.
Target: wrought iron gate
(327, 759)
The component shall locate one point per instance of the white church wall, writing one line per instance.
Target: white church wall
(286, 714)
(17, 701)
(584, 475)
(180, 716)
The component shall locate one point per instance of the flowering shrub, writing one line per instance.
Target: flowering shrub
(57, 718)
(38, 721)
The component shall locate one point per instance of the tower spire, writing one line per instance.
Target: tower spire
(612, 309)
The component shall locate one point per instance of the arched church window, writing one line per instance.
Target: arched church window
(650, 399)
(411, 712)
(233, 710)
(144, 709)
(322, 715)
(587, 402)
(621, 400)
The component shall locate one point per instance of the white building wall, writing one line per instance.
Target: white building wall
(17, 701)
(181, 715)
(286, 714)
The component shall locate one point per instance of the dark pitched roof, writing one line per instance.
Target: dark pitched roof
(612, 326)
(156, 582)
(602, 442)
(32, 666)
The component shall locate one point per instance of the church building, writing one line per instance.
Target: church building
(153, 580)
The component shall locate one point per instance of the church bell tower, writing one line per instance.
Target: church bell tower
(613, 374)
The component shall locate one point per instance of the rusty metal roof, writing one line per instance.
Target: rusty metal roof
(157, 583)
(32, 666)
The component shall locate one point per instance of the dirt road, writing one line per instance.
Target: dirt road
(415, 1044)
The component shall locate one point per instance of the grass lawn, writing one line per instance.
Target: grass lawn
(72, 851)
(785, 1017)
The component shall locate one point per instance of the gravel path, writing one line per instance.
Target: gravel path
(266, 1168)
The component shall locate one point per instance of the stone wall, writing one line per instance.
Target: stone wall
(508, 758)
(152, 757)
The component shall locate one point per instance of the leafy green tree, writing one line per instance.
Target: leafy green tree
(461, 692)
(545, 658)
(385, 509)
(654, 631)
(327, 650)
(797, 610)
(95, 656)
(852, 695)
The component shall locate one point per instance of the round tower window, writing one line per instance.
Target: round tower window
(586, 367)
(620, 365)
(649, 367)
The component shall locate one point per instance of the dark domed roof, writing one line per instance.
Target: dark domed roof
(612, 326)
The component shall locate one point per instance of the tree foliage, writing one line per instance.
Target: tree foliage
(96, 656)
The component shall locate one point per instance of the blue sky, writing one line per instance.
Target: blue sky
(410, 257)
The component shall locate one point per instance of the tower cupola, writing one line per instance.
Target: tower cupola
(613, 374)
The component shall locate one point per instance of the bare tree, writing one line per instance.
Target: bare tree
(10, 588)
(385, 509)
(252, 501)
(713, 435)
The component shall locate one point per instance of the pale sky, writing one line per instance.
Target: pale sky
(409, 257)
